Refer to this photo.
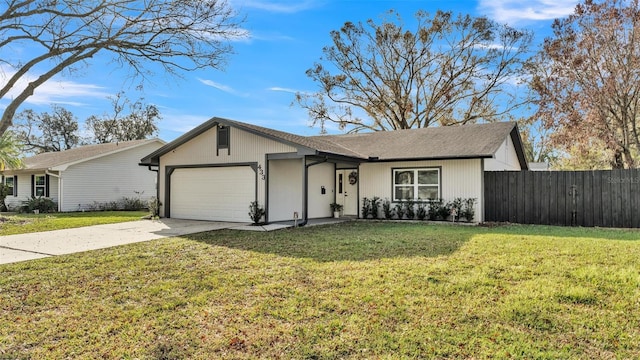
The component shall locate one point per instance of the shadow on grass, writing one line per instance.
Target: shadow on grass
(353, 241)
(364, 240)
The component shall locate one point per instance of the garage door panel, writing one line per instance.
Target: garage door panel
(218, 193)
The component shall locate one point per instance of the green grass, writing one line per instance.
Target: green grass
(28, 223)
(355, 290)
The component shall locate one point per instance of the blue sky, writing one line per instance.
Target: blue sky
(258, 83)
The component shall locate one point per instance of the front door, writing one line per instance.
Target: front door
(347, 190)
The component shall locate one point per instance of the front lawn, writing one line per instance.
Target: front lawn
(355, 290)
(28, 223)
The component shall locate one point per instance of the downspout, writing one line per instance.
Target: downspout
(157, 188)
(59, 176)
(305, 196)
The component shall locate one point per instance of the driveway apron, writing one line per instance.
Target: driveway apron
(15, 248)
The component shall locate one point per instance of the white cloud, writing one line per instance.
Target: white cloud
(221, 87)
(283, 6)
(281, 89)
(64, 92)
(490, 46)
(513, 11)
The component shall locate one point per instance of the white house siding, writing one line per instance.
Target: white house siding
(505, 158)
(459, 178)
(24, 189)
(285, 189)
(245, 148)
(321, 175)
(108, 178)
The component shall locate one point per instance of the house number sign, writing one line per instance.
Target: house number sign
(261, 172)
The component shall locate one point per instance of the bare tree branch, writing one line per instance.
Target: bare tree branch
(180, 35)
(450, 70)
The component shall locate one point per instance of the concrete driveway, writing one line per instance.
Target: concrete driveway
(14, 248)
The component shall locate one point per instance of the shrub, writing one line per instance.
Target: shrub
(445, 211)
(335, 207)
(400, 211)
(256, 212)
(409, 209)
(421, 212)
(434, 208)
(4, 191)
(154, 206)
(375, 207)
(132, 204)
(42, 204)
(366, 207)
(456, 206)
(468, 211)
(386, 209)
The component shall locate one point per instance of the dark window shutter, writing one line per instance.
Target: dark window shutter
(46, 185)
(15, 185)
(33, 185)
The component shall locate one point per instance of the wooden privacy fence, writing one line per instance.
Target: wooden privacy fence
(607, 198)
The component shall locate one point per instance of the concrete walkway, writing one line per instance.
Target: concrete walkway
(22, 247)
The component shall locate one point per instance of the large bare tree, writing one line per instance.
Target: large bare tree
(448, 70)
(63, 34)
(587, 83)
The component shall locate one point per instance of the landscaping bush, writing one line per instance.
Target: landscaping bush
(42, 204)
(366, 208)
(154, 206)
(409, 209)
(434, 209)
(375, 207)
(256, 212)
(455, 208)
(399, 209)
(421, 212)
(468, 211)
(4, 191)
(386, 209)
(444, 211)
(132, 204)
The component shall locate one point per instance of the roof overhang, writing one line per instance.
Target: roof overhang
(519, 147)
(431, 158)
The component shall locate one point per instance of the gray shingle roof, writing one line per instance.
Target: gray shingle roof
(52, 159)
(311, 142)
(466, 141)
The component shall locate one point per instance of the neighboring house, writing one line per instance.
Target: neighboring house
(214, 171)
(79, 178)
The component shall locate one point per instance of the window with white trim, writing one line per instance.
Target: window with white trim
(8, 182)
(416, 184)
(39, 185)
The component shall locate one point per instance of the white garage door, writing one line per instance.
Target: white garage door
(218, 193)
